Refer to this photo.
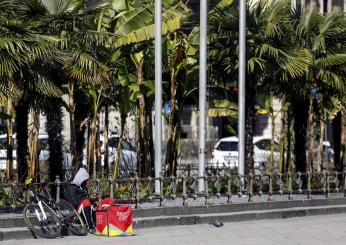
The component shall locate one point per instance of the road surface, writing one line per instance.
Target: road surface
(311, 230)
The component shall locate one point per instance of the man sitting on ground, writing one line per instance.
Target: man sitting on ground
(77, 194)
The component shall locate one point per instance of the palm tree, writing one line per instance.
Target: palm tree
(325, 76)
(135, 30)
(268, 56)
(21, 49)
(70, 24)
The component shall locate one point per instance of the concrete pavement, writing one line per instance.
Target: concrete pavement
(310, 230)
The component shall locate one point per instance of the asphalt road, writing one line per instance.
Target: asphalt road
(311, 230)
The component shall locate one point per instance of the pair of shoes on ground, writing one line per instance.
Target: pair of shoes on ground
(216, 223)
(92, 231)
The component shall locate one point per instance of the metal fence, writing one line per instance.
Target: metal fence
(225, 185)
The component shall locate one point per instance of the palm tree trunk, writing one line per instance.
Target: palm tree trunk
(310, 137)
(177, 79)
(98, 145)
(54, 128)
(337, 125)
(149, 145)
(72, 110)
(173, 132)
(22, 137)
(250, 116)
(118, 153)
(34, 126)
(10, 110)
(106, 143)
(282, 137)
(288, 135)
(320, 139)
(81, 126)
(271, 167)
(91, 147)
(145, 139)
(300, 113)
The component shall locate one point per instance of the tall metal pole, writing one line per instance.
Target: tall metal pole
(158, 92)
(241, 95)
(202, 90)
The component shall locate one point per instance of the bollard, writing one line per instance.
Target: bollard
(57, 182)
(136, 184)
(280, 183)
(184, 190)
(300, 183)
(195, 187)
(290, 188)
(326, 183)
(251, 186)
(14, 195)
(308, 176)
(240, 185)
(206, 191)
(260, 184)
(217, 185)
(150, 188)
(270, 192)
(173, 188)
(336, 181)
(161, 179)
(229, 187)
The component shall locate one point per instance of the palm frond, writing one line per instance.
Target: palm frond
(86, 69)
(58, 7)
(331, 60)
(42, 85)
(295, 63)
(332, 79)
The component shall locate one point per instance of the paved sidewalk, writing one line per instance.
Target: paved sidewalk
(311, 230)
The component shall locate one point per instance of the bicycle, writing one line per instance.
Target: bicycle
(63, 210)
(39, 216)
(70, 218)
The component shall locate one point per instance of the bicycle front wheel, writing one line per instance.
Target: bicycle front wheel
(72, 219)
(42, 223)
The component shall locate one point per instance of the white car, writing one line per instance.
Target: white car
(44, 150)
(3, 152)
(225, 153)
(128, 156)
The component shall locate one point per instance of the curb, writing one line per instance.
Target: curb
(12, 227)
(140, 223)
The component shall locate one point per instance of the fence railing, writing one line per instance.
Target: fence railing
(227, 185)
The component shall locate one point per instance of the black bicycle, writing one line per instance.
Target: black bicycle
(40, 218)
(45, 217)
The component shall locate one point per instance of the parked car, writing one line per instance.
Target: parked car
(44, 150)
(225, 153)
(128, 156)
(3, 152)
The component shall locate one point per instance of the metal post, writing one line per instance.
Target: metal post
(241, 96)
(202, 91)
(158, 93)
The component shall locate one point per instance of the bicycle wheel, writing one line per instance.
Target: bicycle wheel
(72, 219)
(49, 227)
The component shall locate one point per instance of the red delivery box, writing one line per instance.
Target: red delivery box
(114, 220)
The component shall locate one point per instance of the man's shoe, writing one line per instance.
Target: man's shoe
(92, 231)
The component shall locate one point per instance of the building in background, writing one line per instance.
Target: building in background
(323, 5)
